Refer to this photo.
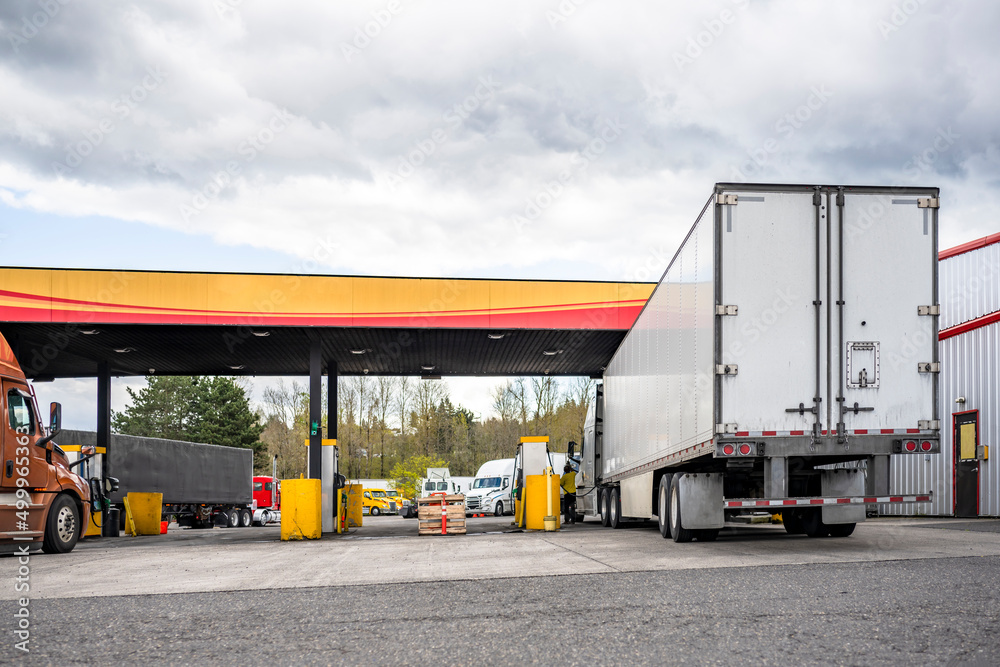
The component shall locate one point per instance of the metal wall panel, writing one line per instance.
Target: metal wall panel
(970, 368)
(658, 389)
(970, 285)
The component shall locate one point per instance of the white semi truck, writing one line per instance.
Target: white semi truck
(490, 492)
(788, 350)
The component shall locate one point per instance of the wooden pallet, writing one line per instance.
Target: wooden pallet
(429, 515)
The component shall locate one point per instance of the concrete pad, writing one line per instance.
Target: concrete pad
(188, 561)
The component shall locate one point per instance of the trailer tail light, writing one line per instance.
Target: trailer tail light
(927, 445)
(910, 446)
(745, 449)
(728, 450)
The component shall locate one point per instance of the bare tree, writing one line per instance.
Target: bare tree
(384, 386)
(519, 391)
(544, 390)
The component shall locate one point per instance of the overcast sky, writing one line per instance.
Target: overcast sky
(517, 139)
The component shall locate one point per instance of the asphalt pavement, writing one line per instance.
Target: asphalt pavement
(903, 608)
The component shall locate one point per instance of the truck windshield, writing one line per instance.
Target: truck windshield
(486, 483)
(379, 494)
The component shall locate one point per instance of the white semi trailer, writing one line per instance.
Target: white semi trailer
(793, 336)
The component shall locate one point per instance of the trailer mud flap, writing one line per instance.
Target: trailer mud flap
(843, 483)
(701, 501)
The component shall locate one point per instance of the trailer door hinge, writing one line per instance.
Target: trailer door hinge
(928, 202)
(929, 367)
(929, 424)
(929, 310)
(724, 429)
(726, 200)
(727, 310)
(727, 369)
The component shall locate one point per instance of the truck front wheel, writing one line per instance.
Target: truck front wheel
(375, 511)
(498, 510)
(62, 527)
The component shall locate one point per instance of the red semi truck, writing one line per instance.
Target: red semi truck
(42, 501)
(267, 500)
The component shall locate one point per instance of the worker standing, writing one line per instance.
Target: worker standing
(568, 484)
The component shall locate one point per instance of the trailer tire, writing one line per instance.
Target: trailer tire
(232, 518)
(793, 523)
(62, 526)
(662, 507)
(602, 507)
(246, 518)
(842, 529)
(615, 509)
(674, 513)
(813, 524)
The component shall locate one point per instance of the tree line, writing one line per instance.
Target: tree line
(382, 422)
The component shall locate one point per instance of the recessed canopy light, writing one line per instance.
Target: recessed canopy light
(551, 353)
(124, 350)
(495, 336)
(428, 368)
(261, 334)
(358, 351)
(90, 332)
(238, 368)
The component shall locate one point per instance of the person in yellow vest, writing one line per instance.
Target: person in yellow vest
(568, 484)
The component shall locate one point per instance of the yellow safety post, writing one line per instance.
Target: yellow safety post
(550, 520)
(301, 509)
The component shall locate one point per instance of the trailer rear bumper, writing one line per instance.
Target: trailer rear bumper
(779, 503)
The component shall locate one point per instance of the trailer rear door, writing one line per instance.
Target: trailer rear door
(769, 347)
(885, 329)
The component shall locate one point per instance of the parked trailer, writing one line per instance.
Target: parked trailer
(202, 485)
(793, 331)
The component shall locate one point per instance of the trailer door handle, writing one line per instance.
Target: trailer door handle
(10, 468)
(802, 409)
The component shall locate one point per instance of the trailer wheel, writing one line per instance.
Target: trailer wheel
(614, 508)
(62, 526)
(232, 518)
(674, 512)
(842, 529)
(793, 523)
(813, 524)
(662, 511)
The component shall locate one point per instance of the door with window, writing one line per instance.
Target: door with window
(21, 458)
(966, 439)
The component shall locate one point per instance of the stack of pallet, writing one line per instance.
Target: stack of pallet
(429, 512)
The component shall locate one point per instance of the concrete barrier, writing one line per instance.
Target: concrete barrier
(301, 509)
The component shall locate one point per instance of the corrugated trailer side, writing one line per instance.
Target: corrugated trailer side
(184, 472)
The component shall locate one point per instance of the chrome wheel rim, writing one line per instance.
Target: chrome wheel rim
(65, 524)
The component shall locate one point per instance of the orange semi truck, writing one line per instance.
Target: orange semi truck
(42, 501)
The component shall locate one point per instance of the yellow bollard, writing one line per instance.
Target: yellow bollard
(550, 520)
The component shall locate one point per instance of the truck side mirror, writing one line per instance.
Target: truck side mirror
(55, 418)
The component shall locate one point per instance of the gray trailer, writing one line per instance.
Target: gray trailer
(202, 485)
(788, 350)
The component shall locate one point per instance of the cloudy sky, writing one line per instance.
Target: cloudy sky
(573, 139)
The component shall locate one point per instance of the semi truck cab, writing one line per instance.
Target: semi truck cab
(42, 501)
